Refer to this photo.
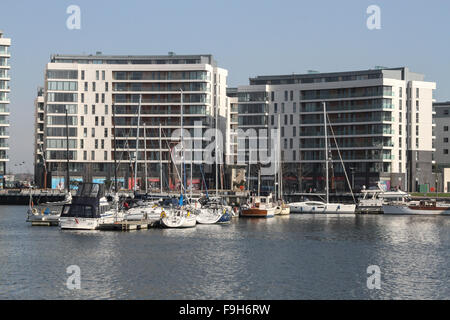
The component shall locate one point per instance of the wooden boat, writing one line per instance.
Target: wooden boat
(424, 207)
(259, 206)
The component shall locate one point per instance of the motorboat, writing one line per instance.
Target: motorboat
(422, 207)
(89, 209)
(48, 213)
(259, 206)
(372, 200)
(321, 207)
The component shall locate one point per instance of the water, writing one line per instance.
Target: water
(291, 257)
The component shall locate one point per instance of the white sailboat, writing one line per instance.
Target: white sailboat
(180, 216)
(281, 207)
(324, 207)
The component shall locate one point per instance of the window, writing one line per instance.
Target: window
(445, 151)
(291, 119)
(445, 140)
(294, 131)
(417, 105)
(84, 155)
(103, 98)
(85, 132)
(400, 92)
(417, 130)
(291, 143)
(96, 98)
(445, 128)
(103, 144)
(446, 111)
(97, 77)
(275, 107)
(282, 131)
(96, 121)
(292, 95)
(93, 132)
(106, 86)
(271, 120)
(285, 119)
(82, 121)
(93, 86)
(93, 109)
(285, 95)
(282, 107)
(82, 74)
(417, 92)
(400, 104)
(106, 109)
(417, 142)
(399, 142)
(105, 155)
(81, 143)
(85, 109)
(85, 86)
(103, 121)
(106, 132)
(294, 155)
(82, 97)
(417, 117)
(294, 107)
(272, 96)
(96, 143)
(103, 74)
(92, 155)
(285, 143)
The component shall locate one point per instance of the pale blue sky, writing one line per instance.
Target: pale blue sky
(247, 37)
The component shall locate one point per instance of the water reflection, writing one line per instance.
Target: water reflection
(285, 257)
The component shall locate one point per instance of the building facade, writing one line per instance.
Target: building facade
(5, 55)
(442, 144)
(102, 95)
(380, 123)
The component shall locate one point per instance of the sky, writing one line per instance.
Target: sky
(246, 37)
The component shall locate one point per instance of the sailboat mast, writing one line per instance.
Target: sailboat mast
(217, 151)
(160, 162)
(145, 158)
(182, 149)
(115, 148)
(137, 144)
(280, 174)
(67, 149)
(326, 149)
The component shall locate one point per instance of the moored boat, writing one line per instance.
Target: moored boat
(259, 206)
(423, 207)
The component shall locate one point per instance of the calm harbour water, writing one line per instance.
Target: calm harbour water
(292, 257)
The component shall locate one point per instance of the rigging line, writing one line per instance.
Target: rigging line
(176, 169)
(340, 157)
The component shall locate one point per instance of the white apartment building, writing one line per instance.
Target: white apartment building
(5, 55)
(101, 94)
(381, 120)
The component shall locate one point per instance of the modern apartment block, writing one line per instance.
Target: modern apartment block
(102, 93)
(5, 55)
(380, 124)
(39, 157)
(442, 144)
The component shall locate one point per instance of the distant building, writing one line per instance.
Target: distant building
(39, 159)
(91, 86)
(381, 119)
(5, 55)
(442, 144)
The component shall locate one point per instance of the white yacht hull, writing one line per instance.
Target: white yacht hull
(301, 207)
(174, 220)
(208, 215)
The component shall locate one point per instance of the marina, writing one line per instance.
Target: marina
(297, 256)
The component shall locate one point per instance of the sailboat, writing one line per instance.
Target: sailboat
(281, 207)
(180, 216)
(212, 210)
(319, 206)
(47, 214)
